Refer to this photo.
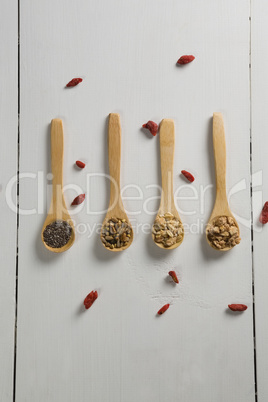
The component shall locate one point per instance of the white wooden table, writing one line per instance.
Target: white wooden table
(126, 53)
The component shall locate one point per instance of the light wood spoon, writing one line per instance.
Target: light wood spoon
(167, 205)
(58, 210)
(221, 206)
(116, 208)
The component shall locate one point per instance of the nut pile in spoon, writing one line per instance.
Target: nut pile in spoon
(167, 229)
(223, 232)
(116, 233)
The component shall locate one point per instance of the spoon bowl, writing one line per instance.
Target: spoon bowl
(167, 205)
(58, 210)
(116, 208)
(221, 206)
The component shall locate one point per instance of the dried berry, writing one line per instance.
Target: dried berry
(79, 199)
(264, 213)
(91, 297)
(174, 276)
(163, 309)
(237, 307)
(185, 59)
(74, 82)
(80, 164)
(188, 175)
(151, 126)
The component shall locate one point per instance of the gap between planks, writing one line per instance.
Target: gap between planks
(17, 236)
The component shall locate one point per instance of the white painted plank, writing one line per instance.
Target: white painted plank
(8, 168)
(119, 350)
(259, 85)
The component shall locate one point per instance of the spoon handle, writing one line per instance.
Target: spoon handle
(57, 158)
(167, 143)
(220, 157)
(114, 147)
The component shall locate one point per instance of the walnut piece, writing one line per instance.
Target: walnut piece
(223, 232)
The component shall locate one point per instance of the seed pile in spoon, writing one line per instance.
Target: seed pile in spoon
(223, 232)
(167, 229)
(116, 233)
(57, 234)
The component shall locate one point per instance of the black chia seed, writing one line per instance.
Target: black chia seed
(57, 234)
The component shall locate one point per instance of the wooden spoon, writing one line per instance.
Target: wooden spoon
(167, 205)
(221, 206)
(116, 208)
(57, 210)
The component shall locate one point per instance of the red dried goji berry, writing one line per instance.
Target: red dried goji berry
(78, 200)
(264, 213)
(185, 59)
(237, 307)
(74, 82)
(151, 126)
(80, 164)
(163, 309)
(91, 297)
(188, 175)
(174, 276)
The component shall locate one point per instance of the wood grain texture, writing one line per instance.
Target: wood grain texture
(58, 209)
(167, 146)
(8, 192)
(221, 206)
(259, 89)
(118, 350)
(114, 154)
